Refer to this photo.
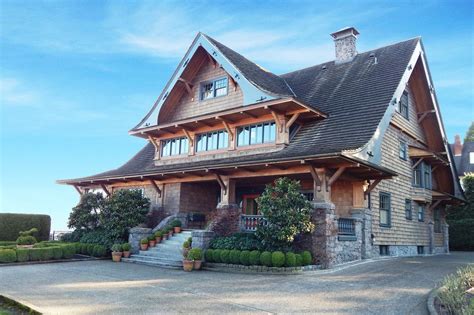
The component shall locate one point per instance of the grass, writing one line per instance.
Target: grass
(453, 295)
(12, 307)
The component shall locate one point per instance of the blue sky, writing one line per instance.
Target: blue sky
(75, 76)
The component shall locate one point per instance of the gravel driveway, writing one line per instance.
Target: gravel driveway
(392, 286)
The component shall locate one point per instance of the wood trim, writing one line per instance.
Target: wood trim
(155, 143)
(229, 130)
(423, 115)
(104, 188)
(221, 183)
(155, 186)
(314, 174)
(277, 120)
(188, 135)
(336, 175)
(372, 186)
(78, 190)
(417, 162)
(188, 86)
(434, 205)
(292, 120)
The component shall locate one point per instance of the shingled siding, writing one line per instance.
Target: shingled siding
(191, 105)
(411, 125)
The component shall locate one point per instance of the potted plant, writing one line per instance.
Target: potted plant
(144, 244)
(187, 264)
(195, 255)
(151, 241)
(116, 252)
(176, 224)
(170, 231)
(126, 250)
(158, 236)
(186, 248)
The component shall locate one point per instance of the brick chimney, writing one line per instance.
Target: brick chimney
(457, 146)
(345, 44)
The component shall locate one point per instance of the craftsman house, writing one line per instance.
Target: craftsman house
(363, 134)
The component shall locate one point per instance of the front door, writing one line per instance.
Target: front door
(249, 205)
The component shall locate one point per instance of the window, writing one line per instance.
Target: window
(408, 212)
(420, 250)
(403, 105)
(384, 205)
(176, 146)
(427, 176)
(437, 221)
(422, 176)
(383, 250)
(403, 150)
(309, 195)
(214, 89)
(256, 134)
(421, 213)
(471, 157)
(212, 141)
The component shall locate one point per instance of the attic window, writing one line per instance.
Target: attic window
(215, 88)
(403, 105)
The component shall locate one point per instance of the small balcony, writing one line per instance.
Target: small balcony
(421, 194)
(346, 229)
(249, 223)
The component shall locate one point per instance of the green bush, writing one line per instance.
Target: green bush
(453, 295)
(186, 244)
(26, 240)
(209, 255)
(99, 251)
(7, 255)
(234, 256)
(195, 254)
(299, 260)
(244, 257)
(126, 247)
(225, 256)
(90, 249)
(290, 259)
(69, 251)
(57, 252)
(158, 233)
(116, 248)
(307, 258)
(10, 243)
(144, 241)
(216, 255)
(240, 241)
(176, 223)
(278, 259)
(11, 224)
(22, 254)
(48, 253)
(460, 234)
(77, 248)
(266, 259)
(254, 257)
(83, 248)
(35, 254)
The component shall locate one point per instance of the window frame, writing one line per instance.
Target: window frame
(253, 128)
(408, 209)
(213, 88)
(437, 220)
(178, 144)
(422, 212)
(425, 172)
(389, 210)
(403, 150)
(209, 135)
(403, 108)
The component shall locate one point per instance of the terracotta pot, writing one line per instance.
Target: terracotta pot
(158, 240)
(188, 265)
(152, 243)
(126, 254)
(116, 256)
(177, 229)
(143, 246)
(197, 264)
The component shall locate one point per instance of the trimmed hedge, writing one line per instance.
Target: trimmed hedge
(22, 254)
(57, 252)
(254, 257)
(235, 256)
(307, 258)
(12, 223)
(290, 259)
(299, 260)
(266, 259)
(244, 257)
(7, 255)
(225, 258)
(216, 255)
(278, 259)
(209, 255)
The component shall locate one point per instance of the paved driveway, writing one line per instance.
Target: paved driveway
(397, 286)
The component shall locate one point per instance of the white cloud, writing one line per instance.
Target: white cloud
(13, 94)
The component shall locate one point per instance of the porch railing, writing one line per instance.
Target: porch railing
(346, 226)
(249, 223)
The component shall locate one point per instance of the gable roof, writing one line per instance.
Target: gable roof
(355, 95)
(463, 164)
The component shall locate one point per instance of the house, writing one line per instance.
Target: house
(362, 133)
(463, 157)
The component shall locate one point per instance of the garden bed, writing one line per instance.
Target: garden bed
(12, 307)
(258, 269)
(456, 295)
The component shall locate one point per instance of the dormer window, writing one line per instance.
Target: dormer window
(403, 105)
(213, 89)
(176, 146)
(256, 134)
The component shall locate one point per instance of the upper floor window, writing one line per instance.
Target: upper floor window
(214, 88)
(437, 221)
(176, 146)
(408, 212)
(212, 141)
(403, 150)
(385, 209)
(422, 175)
(471, 157)
(256, 134)
(421, 213)
(403, 105)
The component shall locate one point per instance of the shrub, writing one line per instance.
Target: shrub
(209, 255)
(176, 223)
(278, 259)
(195, 254)
(225, 256)
(26, 240)
(90, 249)
(186, 244)
(116, 248)
(71, 237)
(158, 233)
(7, 243)
(307, 258)
(126, 247)
(22, 254)
(83, 249)
(12, 223)
(460, 234)
(234, 256)
(216, 255)
(254, 257)
(77, 247)
(99, 236)
(7, 255)
(290, 259)
(69, 251)
(299, 260)
(48, 253)
(266, 259)
(57, 252)
(99, 251)
(144, 241)
(86, 215)
(190, 240)
(453, 296)
(240, 241)
(244, 257)
(35, 254)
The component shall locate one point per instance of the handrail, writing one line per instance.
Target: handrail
(250, 223)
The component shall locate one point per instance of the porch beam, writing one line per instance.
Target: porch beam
(292, 120)
(372, 186)
(221, 183)
(336, 175)
(227, 120)
(417, 162)
(155, 186)
(315, 176)
(202, 123)
(104, 188)
(434, 168)
(78, 190)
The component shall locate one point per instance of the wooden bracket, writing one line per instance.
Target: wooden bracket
(79, 190)
(154, 142)
(417, 162)
(292, 120)
(104, 188)
(212, 60)
(233, 83)
(435, 204)
(372, 186)
(187, 85)
(315, 176)
(188, 135)
(424, 114)
(229, 130)
(221, 183)
(336, 175)
(434, 168)
(155, 186)
(277, 120)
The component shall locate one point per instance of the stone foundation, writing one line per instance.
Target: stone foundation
(135, 235)
(349, 250)
(226, 220)
(202, 238)
(324, 237)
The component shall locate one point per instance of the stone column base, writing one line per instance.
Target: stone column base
(135, 235)
(324, 237)
(226, 220)
(202, 239)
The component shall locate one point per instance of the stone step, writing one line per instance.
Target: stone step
(172, 256)
(154, 262)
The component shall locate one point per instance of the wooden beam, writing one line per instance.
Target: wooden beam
(78, 190)
(233, 83)
(188, 135)
(155, 144)
(315, 176)
(104, 188)
(434, 205)
(203, 123)
(336, 175)
(423, 115)
(248, 115)
(221, 183)
(224, 119)
(372, 186)
(277, 120)
(229, 130)
(292, 120)
(188, 86)
(417, 162)
(155, 186)
(434, 168)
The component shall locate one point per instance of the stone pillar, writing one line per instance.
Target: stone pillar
(365, 216)
(135, 235)
(324, 237)
(446, 238)
(431, 236)
(227, 217)
(202, 239)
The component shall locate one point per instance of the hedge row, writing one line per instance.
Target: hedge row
(255, 257)
(12, 223)
(50, 252)
(461, 236)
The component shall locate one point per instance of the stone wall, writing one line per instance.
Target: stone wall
(135, 235)
(349, 250)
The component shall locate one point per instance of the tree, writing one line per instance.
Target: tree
(86, 215)
(287, 212)
(461, 219)
(470, 133)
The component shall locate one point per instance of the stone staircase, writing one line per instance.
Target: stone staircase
(167, 254)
